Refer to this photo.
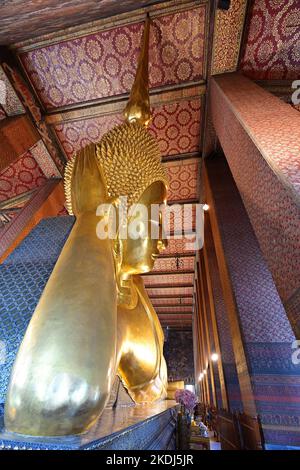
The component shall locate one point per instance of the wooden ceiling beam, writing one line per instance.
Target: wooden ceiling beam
(171, 305)
(171, 296)
(179, 315)
(177, 255)
(167, 273)
(58, 24)
(168, 286)
(167, 94)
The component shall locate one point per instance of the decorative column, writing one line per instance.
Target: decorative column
(231, 394)
(260, 137)
(261, 333)
(212, 371)
(202, 343)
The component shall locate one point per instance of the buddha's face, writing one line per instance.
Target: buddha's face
(139, 254)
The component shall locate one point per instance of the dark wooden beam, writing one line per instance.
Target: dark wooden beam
(180, 156)
(167, 273)
(168, 286)
(160, 314)
(177, 255)
(169, 296)
(21, 20)
(171, 305)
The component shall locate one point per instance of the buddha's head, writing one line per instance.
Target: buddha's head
(125, 163)
(131, 165)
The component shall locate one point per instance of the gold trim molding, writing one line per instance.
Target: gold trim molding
(100, 108)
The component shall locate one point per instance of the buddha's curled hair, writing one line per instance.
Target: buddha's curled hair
(130, 161)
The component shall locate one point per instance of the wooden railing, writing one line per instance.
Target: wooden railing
(235, 431)
(250, 432)
(228, 431)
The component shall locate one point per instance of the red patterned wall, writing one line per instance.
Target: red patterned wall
(269, 201)
(265, 328)
(103, 64)
(271, 123)
(272, 48)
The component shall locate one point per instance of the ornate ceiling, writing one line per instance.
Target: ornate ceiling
(25, 20)
(272, 50)
(74, 80)
(80, 79)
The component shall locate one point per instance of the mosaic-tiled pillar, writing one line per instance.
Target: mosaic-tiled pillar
(197, 343)
(215, 372)
(260, 137)
(201, 344)
(208, 370)
(261, 333)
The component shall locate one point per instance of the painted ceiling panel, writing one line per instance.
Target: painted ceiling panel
(184, 179)
(173, 309)
(174, 264)
(228, 32)
(170, 279)
(272, 49)
(103, 64)
(73, 136)
(21, 176)
(25, 20)
(186, 318)
(9, 99)
(174, 291)
(175, 126)
(176, 301)
(177, 247)
(180, 223)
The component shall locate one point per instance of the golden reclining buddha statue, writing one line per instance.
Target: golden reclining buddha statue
(94, 319)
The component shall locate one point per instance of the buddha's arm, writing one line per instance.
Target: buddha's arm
(141, 363)
(66, 363)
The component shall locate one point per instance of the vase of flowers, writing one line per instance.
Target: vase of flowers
(188, 401)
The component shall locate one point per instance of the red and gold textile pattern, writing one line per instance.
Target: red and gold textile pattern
(176, 127)
(272, 49)
(103, 64)
(247, 138)
(227, 37)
